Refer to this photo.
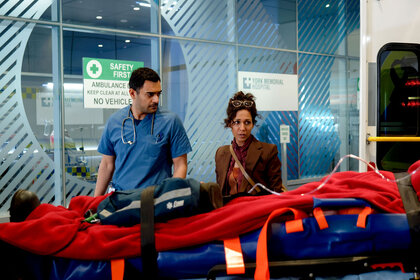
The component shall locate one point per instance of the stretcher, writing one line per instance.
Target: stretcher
(357, 223)
(379, 241)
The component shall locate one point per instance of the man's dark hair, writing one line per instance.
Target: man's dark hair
(140, 75)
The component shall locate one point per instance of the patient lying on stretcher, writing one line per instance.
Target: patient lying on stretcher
(201, 197)
(61, 231)
(174, 197)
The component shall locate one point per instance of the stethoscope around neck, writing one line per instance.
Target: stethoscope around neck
(134, 128)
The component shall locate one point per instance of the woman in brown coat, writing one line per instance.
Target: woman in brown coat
(259, 160)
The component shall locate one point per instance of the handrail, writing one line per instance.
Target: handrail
(394, 139)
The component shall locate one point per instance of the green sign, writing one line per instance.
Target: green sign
(109, 69)
(105, 82)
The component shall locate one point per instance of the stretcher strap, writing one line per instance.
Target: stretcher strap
(262, 271)
(361, 220)
(234, 258)
(293, 226)
(411, 206)
(320, 218)
(117, 269)
(147, 233)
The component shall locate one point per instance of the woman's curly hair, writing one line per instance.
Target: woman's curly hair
(232, 110)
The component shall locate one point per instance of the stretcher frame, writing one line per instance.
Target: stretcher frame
(309, 269)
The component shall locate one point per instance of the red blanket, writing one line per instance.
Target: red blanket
(52, 230)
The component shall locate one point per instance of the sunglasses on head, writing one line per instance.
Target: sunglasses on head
(239, 103)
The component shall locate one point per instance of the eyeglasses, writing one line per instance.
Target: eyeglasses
(239, 103)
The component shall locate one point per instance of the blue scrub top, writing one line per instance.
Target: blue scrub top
(149, 160)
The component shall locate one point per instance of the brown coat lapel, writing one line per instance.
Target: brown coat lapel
(252, 156)
(262, 165)
(222, 164)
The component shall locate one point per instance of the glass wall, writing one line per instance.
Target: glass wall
(50, 136)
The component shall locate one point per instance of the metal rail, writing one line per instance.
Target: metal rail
(393, 139)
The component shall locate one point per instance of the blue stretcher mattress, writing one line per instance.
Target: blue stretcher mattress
(384, 235)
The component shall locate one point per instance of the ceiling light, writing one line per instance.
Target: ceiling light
(127, 41)
(327, 6)
(98, 17)
(48, 85)
(145, 5)
(67, 86)
(100, 46)
(136, 8)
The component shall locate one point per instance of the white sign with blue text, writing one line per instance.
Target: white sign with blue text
(273, 92)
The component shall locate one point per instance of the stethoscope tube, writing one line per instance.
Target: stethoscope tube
(134, 128)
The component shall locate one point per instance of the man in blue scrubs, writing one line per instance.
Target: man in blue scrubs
(141, 142)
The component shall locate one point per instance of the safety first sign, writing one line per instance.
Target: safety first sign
(105, 82)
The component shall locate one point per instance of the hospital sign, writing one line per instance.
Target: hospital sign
(273, 92)
(105, 82)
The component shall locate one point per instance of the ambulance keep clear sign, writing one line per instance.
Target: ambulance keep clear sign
(105, 82)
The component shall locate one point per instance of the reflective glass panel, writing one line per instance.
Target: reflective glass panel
(84, 125)
(267, 130)
(122, 14)
(268, 23)
(353, 93)
(198, 79)
(98, 45)
(37, 56)
(201, 19)
(37, 9)
(339, 105)
(83, 129)
(25, 140)
(353, 27)
(319, 141)
(322, 26)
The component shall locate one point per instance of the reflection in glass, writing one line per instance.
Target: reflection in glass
(121, 14)
(398, 105)
(201, 19)
(84, 44)
(319, 141)
(37, 56)
(353, 121)
(352, 26)
(321, 26)
(340, 110)
(268, 128)
(175, 78)
(199, 78)
(267, 23)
